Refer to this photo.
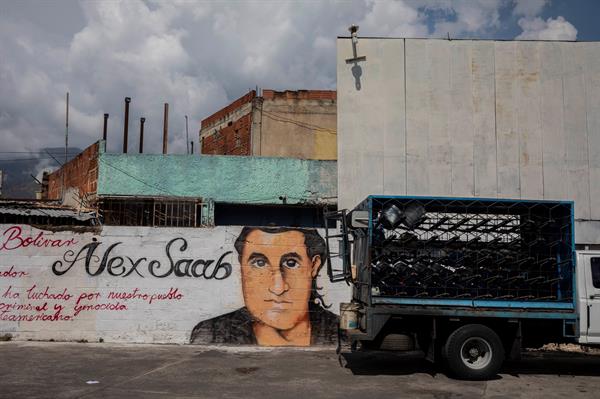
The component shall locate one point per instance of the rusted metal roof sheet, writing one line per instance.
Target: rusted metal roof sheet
(29, 209)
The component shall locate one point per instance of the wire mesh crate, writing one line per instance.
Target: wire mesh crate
(484, 249)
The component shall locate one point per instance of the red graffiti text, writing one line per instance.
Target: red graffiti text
(173, 294)
(13, 238)
(12, 273)
(99, 306)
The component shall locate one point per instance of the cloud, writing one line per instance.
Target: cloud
(551, 29)
(393, 18)
(464, 18)
(529, 8)
(197, 56)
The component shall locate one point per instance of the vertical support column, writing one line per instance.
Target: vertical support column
(166, 129)
(105, 128)
(142, 120)
(126, 124)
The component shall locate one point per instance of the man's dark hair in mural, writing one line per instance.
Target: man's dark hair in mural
(279, 267)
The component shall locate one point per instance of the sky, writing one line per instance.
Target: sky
(199, 56)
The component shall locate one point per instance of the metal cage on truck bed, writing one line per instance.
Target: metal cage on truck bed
(484, 253)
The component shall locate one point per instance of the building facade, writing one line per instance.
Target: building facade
(294, 124)
(177, 249)
(464, 118)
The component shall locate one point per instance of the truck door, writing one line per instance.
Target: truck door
(592, 282)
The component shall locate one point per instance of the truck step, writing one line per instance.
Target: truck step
(356, 334)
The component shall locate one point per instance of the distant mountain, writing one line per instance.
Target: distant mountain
(18, 168)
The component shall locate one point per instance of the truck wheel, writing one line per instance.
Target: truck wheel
(473, 352)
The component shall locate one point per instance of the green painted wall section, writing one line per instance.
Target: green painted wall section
(232, 179)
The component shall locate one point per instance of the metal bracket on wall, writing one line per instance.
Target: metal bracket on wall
(207, 213)
(355, 58)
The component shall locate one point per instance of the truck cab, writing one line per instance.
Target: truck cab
(588, 298)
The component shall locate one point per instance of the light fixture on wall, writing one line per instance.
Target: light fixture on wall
(356, 69)
(354, 34)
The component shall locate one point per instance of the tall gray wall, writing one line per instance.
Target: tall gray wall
(471, 118)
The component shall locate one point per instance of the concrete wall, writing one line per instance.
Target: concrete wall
(471, 118)
(235, 179)
(127, 284)
(296, 124)
(80, 173)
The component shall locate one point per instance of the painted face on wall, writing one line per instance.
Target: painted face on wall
(277, 275)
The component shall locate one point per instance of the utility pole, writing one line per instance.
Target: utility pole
(66, 146)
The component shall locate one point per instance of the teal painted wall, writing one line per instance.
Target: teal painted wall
(232, 179)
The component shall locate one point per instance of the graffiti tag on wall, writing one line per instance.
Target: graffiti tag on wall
(13, 238)
(37, 303)
(118, 266)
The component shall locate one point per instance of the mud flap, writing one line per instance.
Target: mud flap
(515, 348)
(431, 350)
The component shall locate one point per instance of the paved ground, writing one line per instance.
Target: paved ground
(62, 370)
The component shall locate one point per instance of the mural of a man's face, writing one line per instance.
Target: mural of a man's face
(277, 275)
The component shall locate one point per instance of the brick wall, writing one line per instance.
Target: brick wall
(224, 112)
(230, 140)
(300, 94)
(81, 172)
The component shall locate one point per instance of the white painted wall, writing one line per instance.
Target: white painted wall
(162, 321)
(472, 118)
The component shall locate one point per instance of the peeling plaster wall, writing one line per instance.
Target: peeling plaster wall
(515, 119)
(234, 179)
(44, 275)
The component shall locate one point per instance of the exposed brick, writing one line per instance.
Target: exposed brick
(223, 134)
(223, 112)
(300, 94)
(80, 172)
(231, 140)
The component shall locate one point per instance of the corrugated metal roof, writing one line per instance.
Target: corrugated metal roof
(48, 212)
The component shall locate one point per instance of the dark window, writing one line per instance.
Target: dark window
(265, 215)
(151, 212)
(596, 272)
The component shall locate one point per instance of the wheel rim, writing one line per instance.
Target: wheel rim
(476, 353)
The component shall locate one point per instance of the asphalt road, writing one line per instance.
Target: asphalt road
(71, 370)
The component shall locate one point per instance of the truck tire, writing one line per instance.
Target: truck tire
(473, 352)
